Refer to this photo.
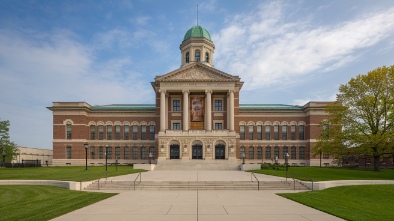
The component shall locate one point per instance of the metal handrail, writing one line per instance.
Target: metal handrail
(308, 178)
(139, 175)
(258, 181)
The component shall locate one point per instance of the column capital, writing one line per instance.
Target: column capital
(208, 91)
(162, 91)
(185, 91)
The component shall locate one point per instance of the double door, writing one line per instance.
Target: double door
(197, 152)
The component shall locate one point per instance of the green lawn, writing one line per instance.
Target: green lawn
(67, 173)
(43, 202)
(368, 202)
(331, 173)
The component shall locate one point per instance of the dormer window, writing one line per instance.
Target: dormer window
(187, 57)
(197, 56)
(207, 57)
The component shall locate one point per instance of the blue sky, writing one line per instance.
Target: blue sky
(107, 52)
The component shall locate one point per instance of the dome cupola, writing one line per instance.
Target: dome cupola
(197, 46)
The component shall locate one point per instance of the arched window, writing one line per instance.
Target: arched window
(197, 56)
(207, 57)
(187, 57)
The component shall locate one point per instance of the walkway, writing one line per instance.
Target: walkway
(197, 205)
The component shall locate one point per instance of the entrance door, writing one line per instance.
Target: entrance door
(174, 151)
(220, 151)
(196, 152)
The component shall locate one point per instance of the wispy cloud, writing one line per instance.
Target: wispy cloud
(268, 50)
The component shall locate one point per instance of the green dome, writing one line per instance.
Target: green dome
(197, 32)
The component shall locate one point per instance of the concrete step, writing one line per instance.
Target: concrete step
(198, 165)
(194, 185)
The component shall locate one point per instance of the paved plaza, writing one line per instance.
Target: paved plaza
(197, 205)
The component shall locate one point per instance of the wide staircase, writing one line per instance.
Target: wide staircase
(195, 185)
(198, 165)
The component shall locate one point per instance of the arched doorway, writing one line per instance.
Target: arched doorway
(220, 150)
(174, 151)
(197, 151)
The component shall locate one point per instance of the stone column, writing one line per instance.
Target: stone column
(162, 110)
(166, 113)
(231, 111)
(208, 110)
(185, 110)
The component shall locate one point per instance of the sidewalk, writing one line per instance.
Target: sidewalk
(197, 205)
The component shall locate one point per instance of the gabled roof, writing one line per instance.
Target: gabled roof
(197, 72)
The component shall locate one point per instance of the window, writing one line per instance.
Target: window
(152, 151)
(101, 152)
(135, 153)
(117, 152)
(284, 132)
(251, 153)
(126, 132)
(242, 132)
(207, 57)
(267, 132)
(92, 132)
(293, 154)
(176, 105)
(325, 156)
(218, 105)
(92, 150)
(109, 132)
(176, 126)
(109, 152)
(126, 153)
(117, 132)
(276, 132)
(197, 56)
(143, 153)
(135, 132)
(276, 151)
(151, 132)
(259, 153)
(218, 126)
(293, 132)
(69, 127)
(325, 131)
(242, 152)
(187, 57)
(143, 132)
(268, 152)
(101, 132)
(301, 132)
(259, 132)
(250, 131)
(284, 151)
(302, 153)
(68, 152)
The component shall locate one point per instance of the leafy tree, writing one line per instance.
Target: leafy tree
(7, 147)
(362, 118)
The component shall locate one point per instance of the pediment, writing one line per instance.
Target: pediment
(197, 72)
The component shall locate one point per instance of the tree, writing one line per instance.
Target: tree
(7, 148)
(362, 118)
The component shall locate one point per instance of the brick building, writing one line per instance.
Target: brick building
(197, 115)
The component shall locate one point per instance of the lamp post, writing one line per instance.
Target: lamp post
(86, 145)
(320, 156)
(243, 157)
(106, 158)
(276, 162)
(287, 163)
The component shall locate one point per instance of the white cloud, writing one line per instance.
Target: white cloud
(265, 49)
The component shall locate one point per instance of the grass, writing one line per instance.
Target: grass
(368, 202)
(331, 173)
(67, 173)
(43, 202)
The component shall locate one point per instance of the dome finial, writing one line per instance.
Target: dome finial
(197, 15)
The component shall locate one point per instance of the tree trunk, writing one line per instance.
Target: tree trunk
(376, 163)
